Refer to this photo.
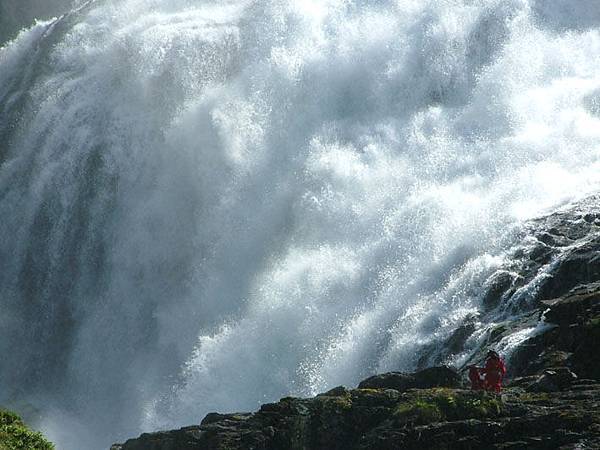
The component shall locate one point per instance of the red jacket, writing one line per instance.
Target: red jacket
(494, 369)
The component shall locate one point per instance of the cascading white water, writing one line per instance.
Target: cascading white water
(206, 205)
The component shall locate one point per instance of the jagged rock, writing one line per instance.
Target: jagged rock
(457, 339)
(336, 392)
(441, 376)
(553, 380)
(391, 380)
(573, 342)
(586, 358)
(582, 301)
(497, 287)
(579, 266)
(549, 358)
(188, 438)
(435, 418)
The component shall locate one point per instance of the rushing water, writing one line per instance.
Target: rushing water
(206, 205)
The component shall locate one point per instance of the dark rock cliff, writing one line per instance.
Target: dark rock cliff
(552, 400)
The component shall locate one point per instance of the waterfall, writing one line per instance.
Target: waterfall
(207, 205)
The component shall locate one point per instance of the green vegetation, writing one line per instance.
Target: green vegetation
(368, 391)
(440, 404)
(418, 412)
(336, 404)
(535, 397)
(14, 434)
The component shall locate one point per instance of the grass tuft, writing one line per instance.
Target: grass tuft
(440, 404)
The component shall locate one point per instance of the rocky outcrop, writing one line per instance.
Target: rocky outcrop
(574, 339)
(424, 379)
(580, 304)
(563, 416)
(554, 269)
(558, 253)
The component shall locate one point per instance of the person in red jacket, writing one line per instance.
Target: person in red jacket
(494, 371)
(477, 383)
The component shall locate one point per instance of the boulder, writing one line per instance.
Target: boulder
(440, 376)
(392, 380)
(579, 266)
(574, 306)
(456, 342)
(338, 391)
(553, 380)
(498, 286)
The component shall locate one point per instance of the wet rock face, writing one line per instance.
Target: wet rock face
(501, 285)
(580, 304)
(552, 275)
(579, 266)
(564, 248)
(574, 340)
(22, 14)
(556, 257)
(567, 298)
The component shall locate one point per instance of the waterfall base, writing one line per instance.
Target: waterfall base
(551, 400)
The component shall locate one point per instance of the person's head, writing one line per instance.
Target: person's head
(493, 354)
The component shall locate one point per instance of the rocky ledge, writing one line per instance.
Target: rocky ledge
(552, 401)
(553, 408)
(533, 414)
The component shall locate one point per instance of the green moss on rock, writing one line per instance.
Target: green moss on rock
(418, 412)
(14, 434)
(441, 404)
(534, 397)
(336, 404)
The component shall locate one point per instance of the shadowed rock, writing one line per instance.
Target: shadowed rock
(427, 378)
(572, 308)
(553, 380)
(383, 418)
